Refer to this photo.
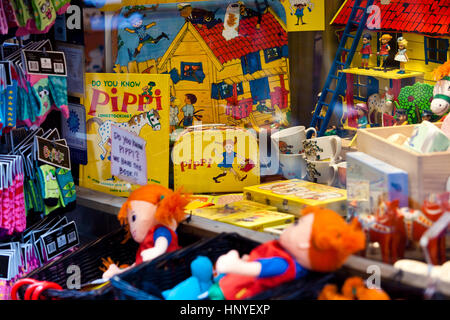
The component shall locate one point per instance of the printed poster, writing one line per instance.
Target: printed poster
(137, 103)
(305, 15)
(228, 62)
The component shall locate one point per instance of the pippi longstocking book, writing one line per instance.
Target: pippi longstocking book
(215, 159)
(293, 195)
(239, 207)
(202, 201)
(258, 220)
(134, 102)
(228, 61)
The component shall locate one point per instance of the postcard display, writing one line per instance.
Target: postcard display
(139, 105)
(234, 73)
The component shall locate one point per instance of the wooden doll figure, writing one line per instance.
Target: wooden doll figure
(385, 48)
(401, 117)
(363, 112)
(366, 51)
(151, 215)
(319, 241)
(401, 55)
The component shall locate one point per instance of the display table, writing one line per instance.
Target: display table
(207, 228)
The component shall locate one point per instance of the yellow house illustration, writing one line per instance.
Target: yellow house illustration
(241, 81)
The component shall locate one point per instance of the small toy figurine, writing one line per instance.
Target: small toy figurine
(401, 55)
(385, 48)
(401, 117)
(427, 115)
(320, 241)
(441, 100)
(151, 215)
(366, 51)
(363, 112)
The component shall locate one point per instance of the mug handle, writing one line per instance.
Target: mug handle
(338, 148)
(335, 174)
(309, 129)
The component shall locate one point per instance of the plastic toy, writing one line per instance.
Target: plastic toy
(354, 288)
(441, 95)
(401, 117)
(401, 55)
(363, 112)
(392, 228)
(385, 48)
(366, 51)
(321, 241)
(151, 214)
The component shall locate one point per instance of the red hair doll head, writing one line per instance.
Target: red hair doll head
(152, 205)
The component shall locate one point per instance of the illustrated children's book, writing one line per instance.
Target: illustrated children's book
(222, 211)
(138, 104)
(294, 195)
(228, 61)
(201, 201)
(258, 220)
(277, 230)
(215, 159)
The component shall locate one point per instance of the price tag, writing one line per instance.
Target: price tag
(60, 240)
(52, 63)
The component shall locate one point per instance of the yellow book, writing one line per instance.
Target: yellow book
(137, 103)
(294, 195)
(258, 220)
(221, 211)
(277, 230)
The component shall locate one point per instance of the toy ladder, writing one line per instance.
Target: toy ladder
(336, 79)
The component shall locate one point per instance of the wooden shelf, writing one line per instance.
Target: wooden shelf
(390, 74)
(208, 228)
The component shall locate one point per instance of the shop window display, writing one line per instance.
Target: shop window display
(185, 119)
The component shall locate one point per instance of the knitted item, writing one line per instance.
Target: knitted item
(58, 93)
(10, 105)
(41, 92)
(49, 186)
(61, 6)
(44, 13)
(23, 12)
(19, 205)
(9, 7)
(3, 20)
(66, 185)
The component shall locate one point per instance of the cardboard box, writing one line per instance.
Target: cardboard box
(292, 196)
(427, 173)
(370, 180)
(221, 211)
(258, 220)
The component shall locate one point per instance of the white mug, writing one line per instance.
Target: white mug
(323, 148)
(290, 141)
(323, 172)
(293, 166)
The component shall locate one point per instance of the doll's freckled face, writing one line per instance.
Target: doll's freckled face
(296, 240)
(141, 218)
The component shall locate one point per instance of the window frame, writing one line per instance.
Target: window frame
(191, 64)
(435, 50)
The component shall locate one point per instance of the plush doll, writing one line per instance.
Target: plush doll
(151, 214)
(320, 241)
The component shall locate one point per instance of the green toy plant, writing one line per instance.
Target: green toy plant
(415, 99)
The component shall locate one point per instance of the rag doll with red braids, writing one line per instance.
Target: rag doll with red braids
(151, 214)
(320, 241)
